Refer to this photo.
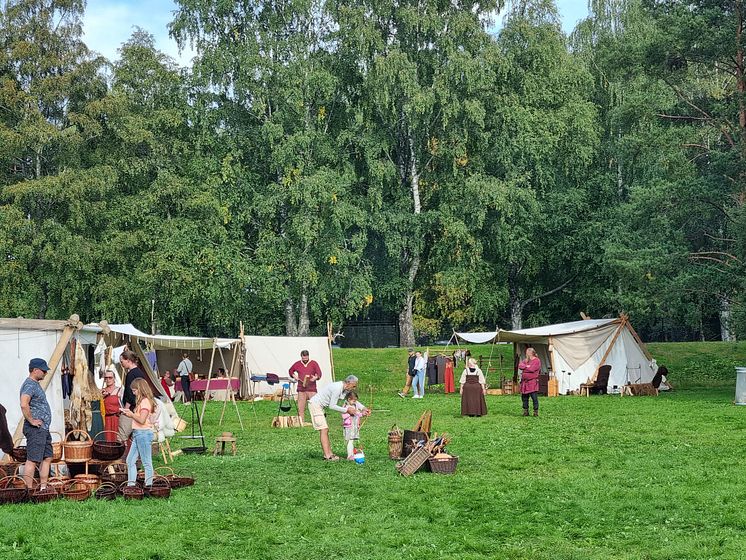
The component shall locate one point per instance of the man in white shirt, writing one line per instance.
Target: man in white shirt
(185, 372)
(329, 397)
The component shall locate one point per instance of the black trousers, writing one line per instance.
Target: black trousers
(534, 397)
(186, 388)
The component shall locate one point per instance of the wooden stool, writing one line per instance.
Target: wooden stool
(220, 442)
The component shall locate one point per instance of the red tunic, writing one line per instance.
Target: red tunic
(530, 375)
(111, 420)
(449, 385)
(303, 371)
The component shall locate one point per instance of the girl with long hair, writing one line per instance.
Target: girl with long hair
(142, 431)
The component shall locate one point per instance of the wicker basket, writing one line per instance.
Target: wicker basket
(90, 480)
(47, 495)
(56, 447)
(57, 482)
(107, 491)
(19, 453)
(161, 487)
(443, 465)
(108, 450)
(396, 442)
(11, 492)
(116, 473)
(78, 451)
(76, 491)
(134, 492)
(414, 461)
(174, 479)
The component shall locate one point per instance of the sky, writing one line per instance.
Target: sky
(109, 23)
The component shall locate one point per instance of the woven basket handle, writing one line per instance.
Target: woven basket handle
(87, 435)
(58, 433)
(108, 432)
(164, 469)
(164, 482)
(7, 480)
(108, 485)
(70, 483)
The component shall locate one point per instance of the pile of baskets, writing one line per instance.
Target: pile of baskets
(418, 451)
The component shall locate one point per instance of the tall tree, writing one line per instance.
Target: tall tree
(281, 121)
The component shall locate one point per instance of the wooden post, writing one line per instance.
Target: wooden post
(645, 350)
(230, 395)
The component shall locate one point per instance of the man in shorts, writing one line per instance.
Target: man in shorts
(329, 397)
(37, 416)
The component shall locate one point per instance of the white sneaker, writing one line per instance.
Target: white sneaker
(402, 395)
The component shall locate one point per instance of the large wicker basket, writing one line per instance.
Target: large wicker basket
(133, 492)
(13, 490)
(57, 482)
(19, 452)
(56, 447)
(92, 481)
(115, 473)
(108, 450)
(161, 487)
(78, 451)
(47, 495)
(76, 490)
(396, 442)
(107, 491)
(176, 481)
(445, 465)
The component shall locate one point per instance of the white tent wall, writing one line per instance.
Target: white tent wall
(275, 354)
(626, 352)
(17, 347)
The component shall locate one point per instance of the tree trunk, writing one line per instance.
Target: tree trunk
(304, 324)
(516, 305)
(725, 321)
(406, 326)
(291, 329)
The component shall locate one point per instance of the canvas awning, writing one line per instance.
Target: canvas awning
(162, 341)
(538, 335)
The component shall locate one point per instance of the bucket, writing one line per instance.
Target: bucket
(410, 441)
(741, 385)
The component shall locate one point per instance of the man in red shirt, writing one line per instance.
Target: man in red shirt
(307, 372)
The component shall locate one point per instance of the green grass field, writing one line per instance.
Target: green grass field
(602, 477)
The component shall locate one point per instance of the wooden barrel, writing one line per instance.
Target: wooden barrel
(553, 387)
(409, 443)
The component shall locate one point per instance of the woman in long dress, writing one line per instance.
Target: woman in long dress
(473, 389)
(112, 403)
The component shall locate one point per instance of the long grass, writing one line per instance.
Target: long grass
(601, 477)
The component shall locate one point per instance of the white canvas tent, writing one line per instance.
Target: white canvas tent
(21, 340)
(275, 354)
(574, 351)
(261, 354)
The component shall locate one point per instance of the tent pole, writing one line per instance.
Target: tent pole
(609, 349)
(645, 350)
(137, 349)
(209, 377)
(73, 324)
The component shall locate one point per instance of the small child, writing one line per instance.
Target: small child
(351, 423)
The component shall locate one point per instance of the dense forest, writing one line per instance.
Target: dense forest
(438, 163)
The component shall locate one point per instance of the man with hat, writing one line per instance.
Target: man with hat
(410, 373)
(37, 417)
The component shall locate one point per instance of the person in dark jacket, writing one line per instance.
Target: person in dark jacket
(410, 373)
